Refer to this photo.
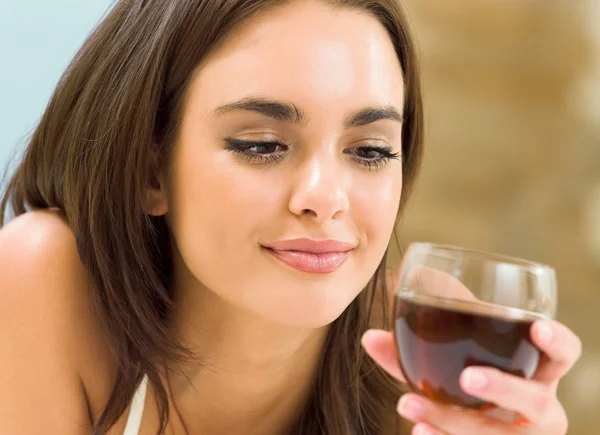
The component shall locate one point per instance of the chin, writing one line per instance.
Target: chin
(312, 307)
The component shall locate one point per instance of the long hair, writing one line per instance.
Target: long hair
(94, 152)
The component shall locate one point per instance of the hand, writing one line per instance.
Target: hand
(534, 400)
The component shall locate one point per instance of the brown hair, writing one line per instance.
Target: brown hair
(116, 107)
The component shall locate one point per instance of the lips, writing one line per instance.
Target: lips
(311, 256)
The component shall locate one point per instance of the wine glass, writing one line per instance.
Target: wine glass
(456, 308)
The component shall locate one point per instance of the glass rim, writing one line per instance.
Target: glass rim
(479, 307)
(430, 247)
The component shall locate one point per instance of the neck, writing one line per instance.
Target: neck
(253, 376)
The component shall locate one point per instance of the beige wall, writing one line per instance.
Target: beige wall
(512, 165)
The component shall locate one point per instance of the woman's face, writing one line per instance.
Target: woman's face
(287, 172)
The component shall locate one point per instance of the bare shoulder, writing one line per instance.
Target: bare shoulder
(42, 276)
(49, 338)
(34, 242)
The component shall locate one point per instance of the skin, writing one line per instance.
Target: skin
(522, 406)
(534, 401)
(257, 324)
(316, 191)
(261, 329)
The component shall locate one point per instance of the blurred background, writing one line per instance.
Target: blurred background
(512, 164)
(38, 38)
(512, 100)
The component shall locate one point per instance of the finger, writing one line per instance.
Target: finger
(381, 347)
(561, 347)
(426, 429)
(512, 417)
(535, 401)
(451, 420)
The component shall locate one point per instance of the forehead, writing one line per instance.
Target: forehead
(310, 53)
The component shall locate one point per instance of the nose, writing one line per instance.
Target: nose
(320, 190)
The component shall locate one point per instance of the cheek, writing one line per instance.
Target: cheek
(376, 205)
(219, 209)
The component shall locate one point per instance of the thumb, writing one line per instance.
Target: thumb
(380, 346)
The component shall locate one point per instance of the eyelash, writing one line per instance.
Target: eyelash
(386, 155)
(243, 148)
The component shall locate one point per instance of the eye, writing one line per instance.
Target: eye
(372, 157)
(257, 152)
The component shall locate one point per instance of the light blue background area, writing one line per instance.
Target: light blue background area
(38, 38)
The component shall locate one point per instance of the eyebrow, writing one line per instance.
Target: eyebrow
(370, 115)
(273, 109)
(287, 112)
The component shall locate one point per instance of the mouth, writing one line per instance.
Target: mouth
(326, 262)
(311, 256)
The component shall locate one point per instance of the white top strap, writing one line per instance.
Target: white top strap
(134, 420)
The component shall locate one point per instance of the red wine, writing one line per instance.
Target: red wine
(438, 338)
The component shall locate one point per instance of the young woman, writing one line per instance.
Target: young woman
(203, 216)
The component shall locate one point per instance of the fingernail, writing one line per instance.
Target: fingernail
(475, 380)
(410, 407)
(544, 331)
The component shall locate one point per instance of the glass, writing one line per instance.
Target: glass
(456, 308)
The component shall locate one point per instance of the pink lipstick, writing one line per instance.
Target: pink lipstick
(312, 256)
